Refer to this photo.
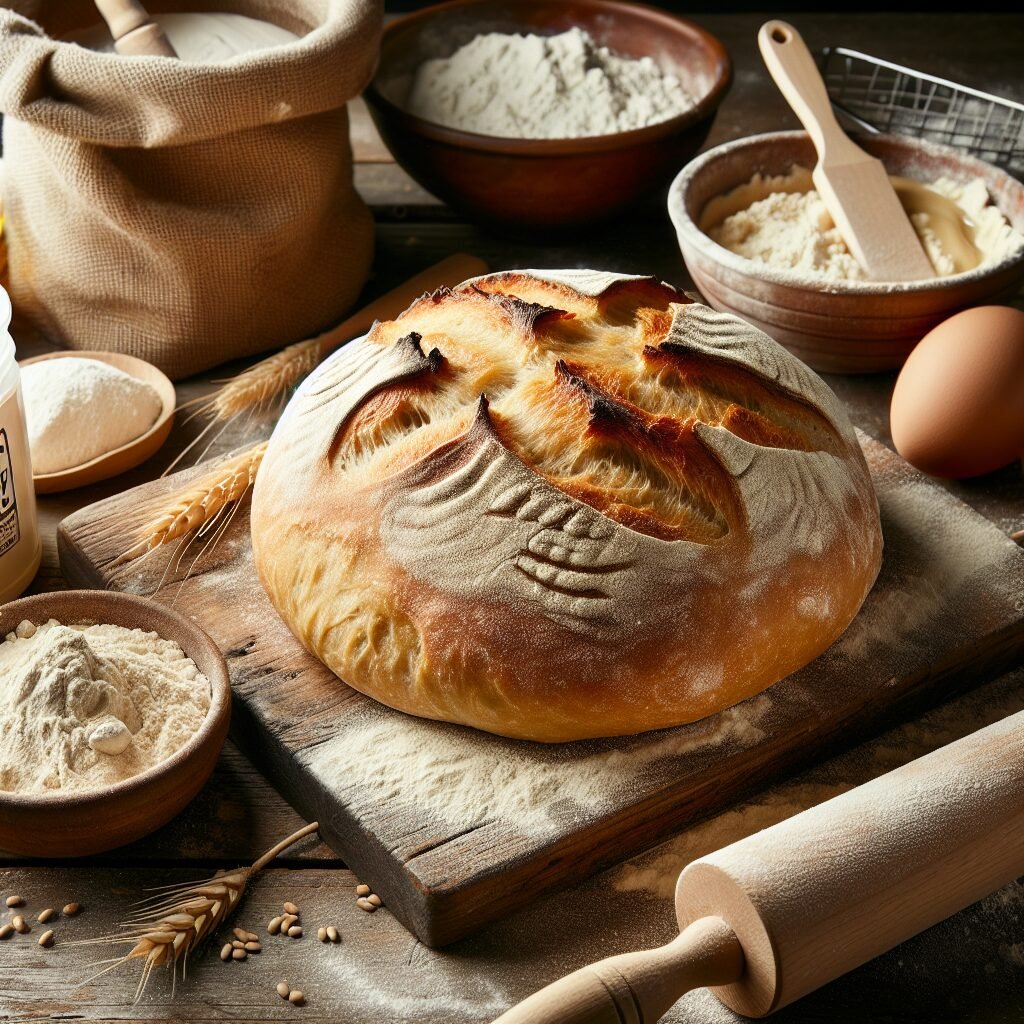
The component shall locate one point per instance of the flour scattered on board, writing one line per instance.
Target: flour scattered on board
(473, 777)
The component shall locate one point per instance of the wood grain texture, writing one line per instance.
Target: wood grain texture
(947, 599)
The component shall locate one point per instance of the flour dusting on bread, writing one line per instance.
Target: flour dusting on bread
(558, 505)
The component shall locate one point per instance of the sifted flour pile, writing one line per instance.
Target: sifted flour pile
(79, 409)
(544, 87)
(84, 707)
(782, 222)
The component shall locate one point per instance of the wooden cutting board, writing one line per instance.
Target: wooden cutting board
(455, 828)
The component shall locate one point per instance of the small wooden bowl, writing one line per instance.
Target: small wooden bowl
(531, 186)
(836, 327)
(77, 824)
(128, 456)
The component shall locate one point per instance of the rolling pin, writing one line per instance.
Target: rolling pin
(134, 31)
(782, 912)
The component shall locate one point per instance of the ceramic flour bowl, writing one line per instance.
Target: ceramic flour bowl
(544, 185)
(836, 327)
(76, 824)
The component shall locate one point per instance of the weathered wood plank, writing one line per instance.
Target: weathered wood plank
(966, 969)
(944, 613)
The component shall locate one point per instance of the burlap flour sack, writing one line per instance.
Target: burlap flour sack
(184, 213)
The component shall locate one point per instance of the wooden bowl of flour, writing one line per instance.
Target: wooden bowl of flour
(836, 326)
(75, 824)
(127, 456)
(544, 187)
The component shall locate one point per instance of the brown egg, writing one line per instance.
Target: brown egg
(958, 405)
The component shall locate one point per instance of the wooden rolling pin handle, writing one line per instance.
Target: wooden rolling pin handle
(135, 33)
(448, 272)
(797, 76)
(637, 988)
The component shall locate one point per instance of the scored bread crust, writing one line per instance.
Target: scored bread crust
(564, 504)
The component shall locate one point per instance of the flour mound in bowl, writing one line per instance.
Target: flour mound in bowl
(564, 504)
(85, 707)
(562, 86)
(79, 409)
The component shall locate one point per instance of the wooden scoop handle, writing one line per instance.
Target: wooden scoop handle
(134, 31)
(791, 65)
(637, 988)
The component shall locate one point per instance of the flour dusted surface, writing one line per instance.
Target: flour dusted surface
(79, 409)
(544, 87)
(85, 707)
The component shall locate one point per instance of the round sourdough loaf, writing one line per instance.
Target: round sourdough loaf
(564, 504)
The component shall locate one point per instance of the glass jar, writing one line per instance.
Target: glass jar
(20, 544)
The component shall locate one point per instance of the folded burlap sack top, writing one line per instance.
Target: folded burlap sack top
(184, 213)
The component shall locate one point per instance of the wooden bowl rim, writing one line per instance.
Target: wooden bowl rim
(33, 609)
(688, 231)
(132, 365)
(540, 148)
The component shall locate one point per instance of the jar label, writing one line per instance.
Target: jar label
(10, 530)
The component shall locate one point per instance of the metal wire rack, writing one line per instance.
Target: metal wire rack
(884, 97)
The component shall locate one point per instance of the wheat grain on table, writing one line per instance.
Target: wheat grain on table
(970, 968)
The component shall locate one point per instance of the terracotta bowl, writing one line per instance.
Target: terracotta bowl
(542, 185)
(848, 327)
(76, 824)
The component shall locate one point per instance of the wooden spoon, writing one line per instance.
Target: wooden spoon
(134, 31)
(853, 185)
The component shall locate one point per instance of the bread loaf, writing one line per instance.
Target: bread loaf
(564, 504)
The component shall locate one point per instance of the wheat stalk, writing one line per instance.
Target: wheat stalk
(169, 926)
(263, 382)
(272, 378)
(202, 504)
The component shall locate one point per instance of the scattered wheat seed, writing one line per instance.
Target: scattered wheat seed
(288, 920)
(15, 901)
(237, 944)
(226, 951)
(20, 924)
(46, 915)
(295, 997)
(333, 934)
(321, 934)
(253, 947)
(362, 890)
(295, 932)
(283, 988)
(238, 954)
(245, 935)
(181, 919)
(290, 908)
(46, 939)
(71, 909)
(274, 925)
(6, 931)
(375, 900)
(364, 904)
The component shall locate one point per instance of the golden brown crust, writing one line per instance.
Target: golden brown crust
(557, 505)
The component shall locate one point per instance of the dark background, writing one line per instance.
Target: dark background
(789, 7)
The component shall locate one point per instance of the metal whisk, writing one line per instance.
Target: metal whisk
(884, 97)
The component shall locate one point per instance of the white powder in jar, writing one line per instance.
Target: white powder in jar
(84, 707)
(79, 409)
(563, 86)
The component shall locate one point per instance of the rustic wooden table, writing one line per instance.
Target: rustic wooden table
(970, 968)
